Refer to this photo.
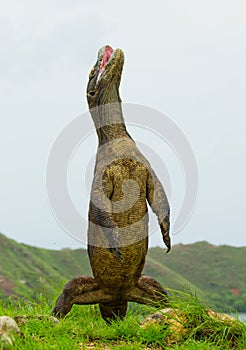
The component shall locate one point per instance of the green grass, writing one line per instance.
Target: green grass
(84, 328)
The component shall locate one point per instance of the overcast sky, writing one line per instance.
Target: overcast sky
(183, 58)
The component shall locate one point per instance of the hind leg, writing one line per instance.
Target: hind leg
(81, 290)
(148, 291)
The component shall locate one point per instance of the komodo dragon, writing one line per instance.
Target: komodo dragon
(118, 214)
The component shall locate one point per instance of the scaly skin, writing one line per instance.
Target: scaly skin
(118, 217)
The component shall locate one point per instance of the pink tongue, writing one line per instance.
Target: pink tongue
(106, 56)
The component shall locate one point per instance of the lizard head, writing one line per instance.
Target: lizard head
(105, 76)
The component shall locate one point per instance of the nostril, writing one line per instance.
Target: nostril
(92, 93)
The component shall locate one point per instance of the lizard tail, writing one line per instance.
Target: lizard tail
(112, 312)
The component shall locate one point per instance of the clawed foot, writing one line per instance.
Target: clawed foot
(148, 291)
(63, 305)
(115, 245)
(81, 290)
(117, 252)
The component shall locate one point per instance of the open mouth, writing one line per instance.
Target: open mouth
(108, 51)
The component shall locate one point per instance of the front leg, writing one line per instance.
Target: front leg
(158, 201)
(100, 211)
(81, 290)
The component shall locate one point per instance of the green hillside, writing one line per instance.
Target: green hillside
(219, 271)
(26, 271)
(216, 273)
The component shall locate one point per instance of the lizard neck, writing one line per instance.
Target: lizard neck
(108, 117)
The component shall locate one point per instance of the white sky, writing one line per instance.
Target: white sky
(184, 58)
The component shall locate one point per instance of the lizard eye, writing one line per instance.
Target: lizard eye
(92, 93)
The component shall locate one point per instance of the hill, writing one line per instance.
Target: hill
(216, 273)
(219, 271)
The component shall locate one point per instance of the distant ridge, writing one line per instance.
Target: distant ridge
(216, 273)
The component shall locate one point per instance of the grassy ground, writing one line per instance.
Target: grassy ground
(84, 328)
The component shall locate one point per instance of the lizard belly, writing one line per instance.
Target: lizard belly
(126, 178)
(116, 276)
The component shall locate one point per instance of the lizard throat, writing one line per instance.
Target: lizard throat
(109, 122)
